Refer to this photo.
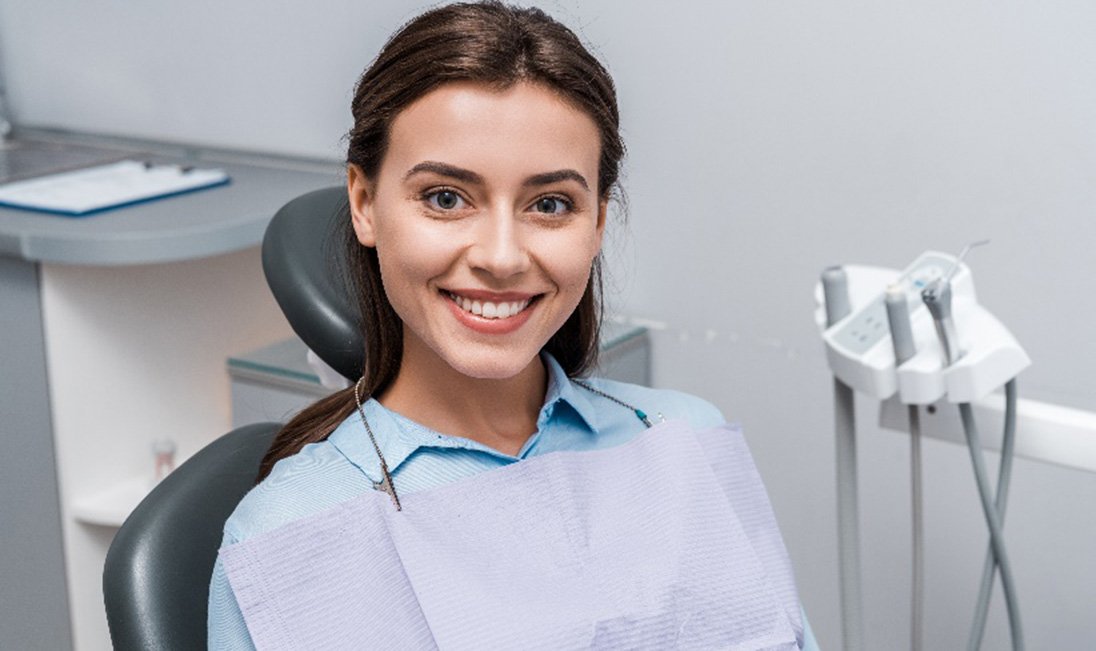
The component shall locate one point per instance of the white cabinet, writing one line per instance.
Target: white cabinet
(114, 329)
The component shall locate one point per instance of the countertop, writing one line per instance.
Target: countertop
(194, 225)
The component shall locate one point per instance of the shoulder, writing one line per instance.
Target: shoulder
(316, 478)
(672, 405)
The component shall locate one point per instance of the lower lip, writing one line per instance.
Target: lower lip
(489, 326)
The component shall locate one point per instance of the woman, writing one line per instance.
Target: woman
(484, 153)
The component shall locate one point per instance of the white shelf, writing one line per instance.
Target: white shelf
(111, 506)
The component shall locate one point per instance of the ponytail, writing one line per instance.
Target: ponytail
(314, 423)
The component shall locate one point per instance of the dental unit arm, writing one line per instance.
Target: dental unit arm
(946, 347)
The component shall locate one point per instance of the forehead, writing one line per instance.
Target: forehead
(524, 129)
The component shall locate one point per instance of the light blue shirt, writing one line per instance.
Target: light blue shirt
(345, 465)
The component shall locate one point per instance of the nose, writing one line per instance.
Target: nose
(498, 245)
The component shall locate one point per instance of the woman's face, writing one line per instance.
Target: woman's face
(486, 219)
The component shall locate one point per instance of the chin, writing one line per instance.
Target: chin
(503, 366)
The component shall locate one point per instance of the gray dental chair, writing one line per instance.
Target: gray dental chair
(157, 571)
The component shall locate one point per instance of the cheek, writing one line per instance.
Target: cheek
(399, 271)
(569, 262)
(408, 260)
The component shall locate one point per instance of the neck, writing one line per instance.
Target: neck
(499, 413)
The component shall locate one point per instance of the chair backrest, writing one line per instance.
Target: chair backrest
(303, 259)
(157, 571)
(156, 576)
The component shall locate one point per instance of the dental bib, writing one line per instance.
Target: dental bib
(667, 541)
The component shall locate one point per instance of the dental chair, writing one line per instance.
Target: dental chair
(157, 571)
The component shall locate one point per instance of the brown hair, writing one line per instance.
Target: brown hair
(488, 43)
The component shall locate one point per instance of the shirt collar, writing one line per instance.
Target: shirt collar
(398, 437)
(563, 389)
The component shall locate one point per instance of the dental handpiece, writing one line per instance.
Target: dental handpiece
(937, 297)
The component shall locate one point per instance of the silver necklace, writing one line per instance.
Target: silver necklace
(388, 486)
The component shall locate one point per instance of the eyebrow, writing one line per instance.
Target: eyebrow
(549, 178)
(468, 176)
(445, 169)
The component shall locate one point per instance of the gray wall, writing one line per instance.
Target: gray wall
(34, 614)
(767, 139)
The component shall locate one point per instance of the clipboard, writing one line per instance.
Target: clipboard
(92, 190)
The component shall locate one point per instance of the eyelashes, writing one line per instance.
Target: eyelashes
(443, 199)
(554, 205)
(448, 200)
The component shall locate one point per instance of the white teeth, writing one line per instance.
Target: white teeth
(487, 309)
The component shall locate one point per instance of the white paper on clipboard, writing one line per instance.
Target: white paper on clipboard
(102, 187)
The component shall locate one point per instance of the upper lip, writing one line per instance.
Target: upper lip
(492, 297)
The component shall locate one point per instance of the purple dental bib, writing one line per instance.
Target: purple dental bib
(667, 541)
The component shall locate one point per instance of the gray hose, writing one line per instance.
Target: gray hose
(1004, 474)
(917, 597)
(848, 526)
(997, 540)
(901, 331)
(836, 292)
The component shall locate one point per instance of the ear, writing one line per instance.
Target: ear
(602, 211)
(360, 192)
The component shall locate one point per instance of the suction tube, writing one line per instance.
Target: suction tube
(836, 292)
(898, 317)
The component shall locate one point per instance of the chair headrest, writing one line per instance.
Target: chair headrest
(304, 263)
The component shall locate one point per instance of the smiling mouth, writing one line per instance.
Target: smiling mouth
(491, 309)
